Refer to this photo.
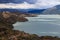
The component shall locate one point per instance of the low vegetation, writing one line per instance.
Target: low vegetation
(7, 31)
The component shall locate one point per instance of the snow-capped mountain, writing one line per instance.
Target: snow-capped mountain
(53, 10)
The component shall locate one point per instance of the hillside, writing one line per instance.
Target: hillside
(30, 11)
(53, 10)
(7, 31)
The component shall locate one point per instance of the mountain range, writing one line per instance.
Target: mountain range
(33, 11)
(53, 10)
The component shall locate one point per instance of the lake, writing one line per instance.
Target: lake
(41, 25)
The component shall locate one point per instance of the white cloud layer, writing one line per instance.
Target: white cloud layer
(40, 4)
(47, 3)
(24, 5)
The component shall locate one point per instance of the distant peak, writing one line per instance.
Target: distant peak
(57, 6)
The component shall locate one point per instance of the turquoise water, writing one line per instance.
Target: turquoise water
(41, 25)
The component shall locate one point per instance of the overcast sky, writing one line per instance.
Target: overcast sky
(26, 4)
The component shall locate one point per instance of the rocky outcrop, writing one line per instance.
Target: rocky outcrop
(17, 35)
(8, 33)
(7, 19)
(22, 19)
(6, 28)
(28, 15)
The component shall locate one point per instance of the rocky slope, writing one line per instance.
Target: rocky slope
(7, 31)
(53, 10)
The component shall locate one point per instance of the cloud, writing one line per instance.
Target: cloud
(36, 4)
(17, 1)
(11, 1)
(46, 3)
(31, 1)
(24, 5)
